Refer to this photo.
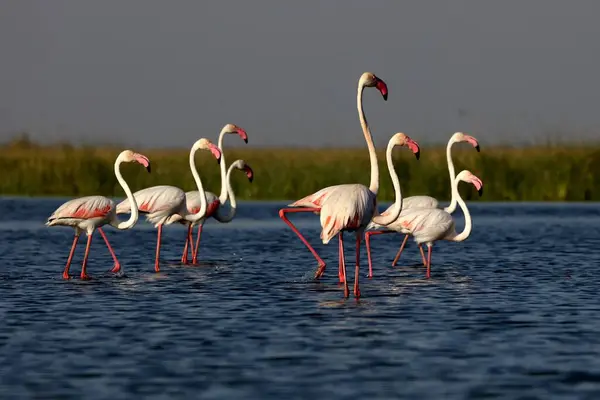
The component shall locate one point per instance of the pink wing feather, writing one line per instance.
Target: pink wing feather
(154, 199)
(192, 200)
(84, 208)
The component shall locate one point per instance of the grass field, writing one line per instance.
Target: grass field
(509, 174)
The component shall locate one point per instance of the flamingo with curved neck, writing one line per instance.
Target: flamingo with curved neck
(421, 202)
(164, 205)
(92, 212)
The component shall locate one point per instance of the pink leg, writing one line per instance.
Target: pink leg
(184, 256)
(71, 253)
(156, 263)
(357, 271)
(282, 215)
(422, 254)
(341, 260)
(428, 261)
(368, 242)
(195, 255)
(84, 274)
(117, 266)
(346, 290)
(400, 251)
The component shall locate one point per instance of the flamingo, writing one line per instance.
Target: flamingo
(351, 207)
(214, 203)
(428, 225)
(193, 204)
(421, 202)
(92, 212)
(314, 202)
(164, 205)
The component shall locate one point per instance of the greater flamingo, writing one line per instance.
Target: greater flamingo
(193, 204)
(213, 202)
(351, 207)
(164, 205)
(92, 212)
(314, 202)
(428, 225)
(421, 202)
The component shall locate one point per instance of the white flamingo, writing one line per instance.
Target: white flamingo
(213, 202)
(193, 204)
(421, 202)
(164, 205)
(92, 212)
(428, 225)
(314, 202)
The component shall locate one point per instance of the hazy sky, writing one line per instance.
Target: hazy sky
(164, 73)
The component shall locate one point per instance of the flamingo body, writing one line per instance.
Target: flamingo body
(159, 203)
(86, 213)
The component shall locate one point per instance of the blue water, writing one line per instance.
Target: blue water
(513, 312)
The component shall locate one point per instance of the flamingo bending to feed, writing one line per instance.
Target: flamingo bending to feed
(421, 202)
(193, 204)
(351, 207)
(428, 225)
(92, 212)
(314, 202)
(214, 203)
(164, 205)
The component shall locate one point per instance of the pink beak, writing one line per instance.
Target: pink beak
(215, 151)
(414, 147)
(142, 159)
(478, 184)
(382, 87)
(473, 142)
(243, 134)
(249, 173)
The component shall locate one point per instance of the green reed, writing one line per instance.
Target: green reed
(550, 173)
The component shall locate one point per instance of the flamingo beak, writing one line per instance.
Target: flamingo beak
(249, 173)
(215, 152)
(243, 135)
(382, 87)
(414, 147)
(473, 142)
(478, 185)
(145, 161)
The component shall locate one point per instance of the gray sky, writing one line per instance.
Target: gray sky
(163, 73)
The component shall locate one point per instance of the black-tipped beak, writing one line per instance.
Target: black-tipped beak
(385, 97)
(477, 148)
(149, 168)
(219, 160)
(418, 154)
(480, 191)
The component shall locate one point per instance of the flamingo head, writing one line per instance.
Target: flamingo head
(400, 139)
(369, 79)
(231, 128)
(243, 166)
(205, 144)
(467, 176)
(131, 156)
(463, 137)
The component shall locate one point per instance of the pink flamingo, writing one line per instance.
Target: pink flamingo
(92, 212)
(421, 202)
(164, 205)
(214, 202)
(193, 204)
(314, 202)
(428, 225)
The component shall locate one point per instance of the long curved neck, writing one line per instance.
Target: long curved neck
(468, 225)
(224, 191)
(453, 184)
(374, 185)
(232, 205)
(133, 204)
(394, 211)
(202, 211)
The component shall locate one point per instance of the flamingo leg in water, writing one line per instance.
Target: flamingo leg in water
(428, 260)
(71, 253)
(84, 274)
(282, 215)
(368, 242)
(156, 263)
(400, 251)
(184, 256)
(341, 259)
(346, 290)
(357, 271)
(195, 252)
(117, 266)
(422, 254)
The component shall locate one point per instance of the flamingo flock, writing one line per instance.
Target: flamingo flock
(349, 207)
